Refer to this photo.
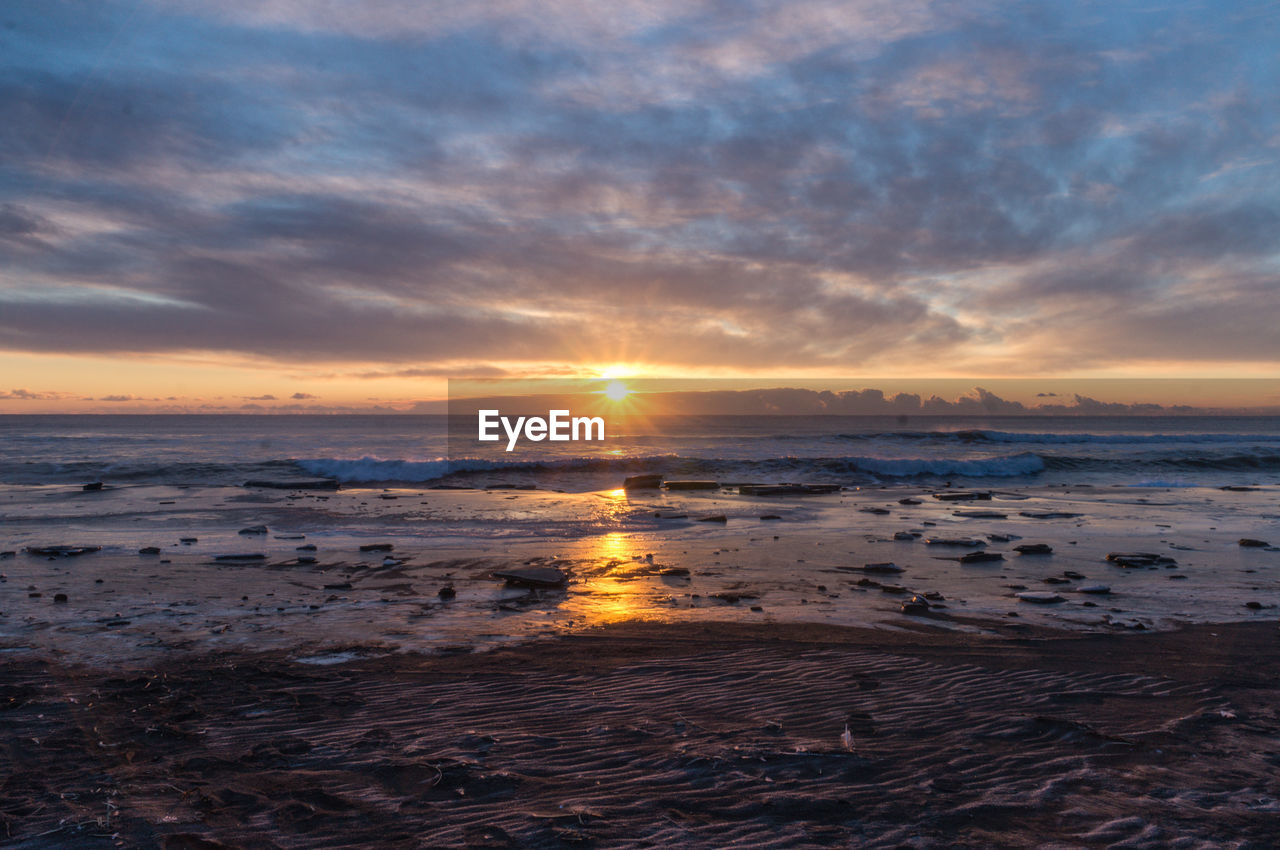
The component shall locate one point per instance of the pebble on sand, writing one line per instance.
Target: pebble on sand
(254, 529)
(1034, 549)
(1039, 597)
(532, 577)
(1253, 543)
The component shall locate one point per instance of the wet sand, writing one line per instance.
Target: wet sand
(690, 684)
(661, 735)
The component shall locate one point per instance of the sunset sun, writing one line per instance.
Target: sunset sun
(616, 391)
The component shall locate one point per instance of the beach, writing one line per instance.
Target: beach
(501, 658)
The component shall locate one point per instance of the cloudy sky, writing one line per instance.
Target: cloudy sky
(333, 203)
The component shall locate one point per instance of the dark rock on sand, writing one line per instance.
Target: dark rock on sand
(915, 605)
(60, 598)
(981, 514)
(306, 559)
(980, 557)
(675, 572)
(787, 489)
(188, 540)
(149, 550)
(967, 542)
(1098, 589)
(1253, 543)
(251, 556)
(447, 592)
(63, 551)
(714, 518)
(1048, 515)
(1056, 580)
(532, 577)
(910, 502)
(906, 535)
(1034, 549)
(770, 516)
(963, 496)
(878, 511)
(693, 485)
(1039, 597)
(376, 547)
(642, 482)
(92, 486)
(341, 585)
(306, 547)
(295, 484)
(886, 567)
(254, 529)
(1140, 559)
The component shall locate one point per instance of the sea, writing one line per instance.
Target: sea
(388, 450)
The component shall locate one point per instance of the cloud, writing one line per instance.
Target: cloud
(267, 397)
(424, 191)
(301, 396)
(28, 395)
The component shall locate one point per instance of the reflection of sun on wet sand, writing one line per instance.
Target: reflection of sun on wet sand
(650, 675)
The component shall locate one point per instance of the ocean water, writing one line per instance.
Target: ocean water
(853, 450)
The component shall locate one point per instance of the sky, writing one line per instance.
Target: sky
(257, 204)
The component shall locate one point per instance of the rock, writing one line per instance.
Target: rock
(757, 608)
(1039, 597)
(291, 537)
(60, 598)
(1253, 543)
(1098, 589)
(391, 562)
(254, 529)
(376, 547)
(1072, 574)
(642, 482)
(910, 502)
(92, 486)
(295, 484)
(341, 585)
(980, 514)
(873, 510)
(1034, 549)
(1056, 580)
(149, 550)
(981, 557)
(733, 598)
(967, 542)
(447, 592)
(532, 577)
(306, 547)
(693, 485)
(915, 606)
(714, 518)
(63, 551)
(306, 559)
(905, 535)
(787, 489)
(1140, 559)
(886, 567)
(1048, 515)
(188, 540)
(770, 516)
(252, 556)
(675, 572)
(963, 496)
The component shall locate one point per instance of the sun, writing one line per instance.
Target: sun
(616, 391)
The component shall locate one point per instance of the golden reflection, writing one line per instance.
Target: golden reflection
(619, 590)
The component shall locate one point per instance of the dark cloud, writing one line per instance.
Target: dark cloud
(689, 185)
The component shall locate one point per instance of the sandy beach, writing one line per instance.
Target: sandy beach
(690, 682)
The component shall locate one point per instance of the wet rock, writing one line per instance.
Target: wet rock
(885, 567)
(1072, 574)
(187, 541)
(306, 547)
(963, 496)
(1039, 597)
(713, 518)
(252, 556)
(149, 550)
(254, 529)
(642, 482)
(770, 516)
(1252, 605)
(733, 598)
(692, 485)
(910, 502)
(1034, 549)
(295, 484)
(8, 554)
(1098, 589)
(906, 535)
(915, 606)
(1048, 514)
(967, 542)
(1140, 559)
(62, 551)
(981, 514)
(60, 598)
(1253, 543)
(92, 486)
(341, 585)
(675, 572)
(873, 510)
(376, 547)
(306, 559)
(532, 577)
(980, 557)
(1056, 580)
(447, 592)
